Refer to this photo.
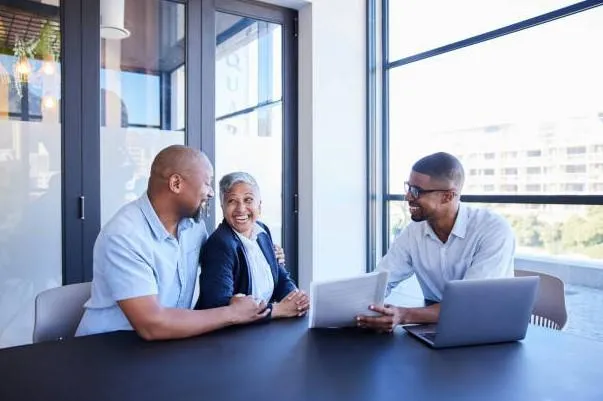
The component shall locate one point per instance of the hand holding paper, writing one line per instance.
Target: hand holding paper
(336, 303)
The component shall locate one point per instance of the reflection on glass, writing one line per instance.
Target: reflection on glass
(30, 164)
(248, 63)
(142, 93)
(253, 143)
(523, 112)
(249, 83)
(417, 26)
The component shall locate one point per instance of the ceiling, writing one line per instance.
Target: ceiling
(153, 45)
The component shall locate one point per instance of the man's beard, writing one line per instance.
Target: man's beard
(202, 211)
(419, 215)
(418, 218)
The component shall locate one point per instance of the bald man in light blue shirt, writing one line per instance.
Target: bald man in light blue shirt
(446, 241)
(146, 258)
(134, 256)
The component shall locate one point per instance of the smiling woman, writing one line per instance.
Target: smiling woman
(241, 204)
(239, 257)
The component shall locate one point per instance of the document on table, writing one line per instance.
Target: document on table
(336, 303)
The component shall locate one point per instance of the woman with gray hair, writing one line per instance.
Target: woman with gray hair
(239, 258)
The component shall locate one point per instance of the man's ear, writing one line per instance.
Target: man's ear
(175, 183)
(448, 196)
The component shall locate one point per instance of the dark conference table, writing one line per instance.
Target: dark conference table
(284, 361)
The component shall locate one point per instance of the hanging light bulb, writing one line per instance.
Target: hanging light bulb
(49, 102)
(48, 66)
(23, 67)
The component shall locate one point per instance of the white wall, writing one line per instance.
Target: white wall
(332, 139)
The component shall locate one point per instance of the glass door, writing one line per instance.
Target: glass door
(255, 126)
(249, 108)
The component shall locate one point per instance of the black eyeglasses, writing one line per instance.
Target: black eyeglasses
(416, 191)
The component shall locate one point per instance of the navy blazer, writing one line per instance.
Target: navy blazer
(225, 268)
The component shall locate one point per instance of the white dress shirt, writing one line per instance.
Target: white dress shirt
(481, 245)
(262, 282)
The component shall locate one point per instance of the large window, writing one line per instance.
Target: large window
(517, 95)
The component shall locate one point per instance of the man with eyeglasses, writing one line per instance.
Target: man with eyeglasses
(447, 241)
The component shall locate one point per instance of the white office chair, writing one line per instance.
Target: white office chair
(58, 311)
(549, 309)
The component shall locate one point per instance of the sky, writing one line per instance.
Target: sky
(549, 73)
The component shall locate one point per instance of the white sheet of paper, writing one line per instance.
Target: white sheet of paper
(336, 303)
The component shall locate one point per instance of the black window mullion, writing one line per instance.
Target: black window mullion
(385, 126)
(193, 38)
(207, 81)
(71, 140)
(90, 132)
(290, 141)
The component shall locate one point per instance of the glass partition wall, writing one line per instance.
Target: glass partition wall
(91, 90)
(142, 93)
(30, 162)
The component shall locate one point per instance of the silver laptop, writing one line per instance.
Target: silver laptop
(484, 311)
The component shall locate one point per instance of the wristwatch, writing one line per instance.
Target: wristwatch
(269, 307)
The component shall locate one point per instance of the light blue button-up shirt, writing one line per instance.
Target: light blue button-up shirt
(135, 256)
(481, 245)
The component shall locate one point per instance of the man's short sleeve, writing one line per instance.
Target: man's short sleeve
(127, 274)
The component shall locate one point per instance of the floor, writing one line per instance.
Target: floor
(585, 311)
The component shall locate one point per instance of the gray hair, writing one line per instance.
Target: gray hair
(231, 179)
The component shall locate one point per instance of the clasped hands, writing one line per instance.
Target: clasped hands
(295, 304)
(248, 309)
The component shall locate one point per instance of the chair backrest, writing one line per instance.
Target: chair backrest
(58, 311)
(549, 309)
